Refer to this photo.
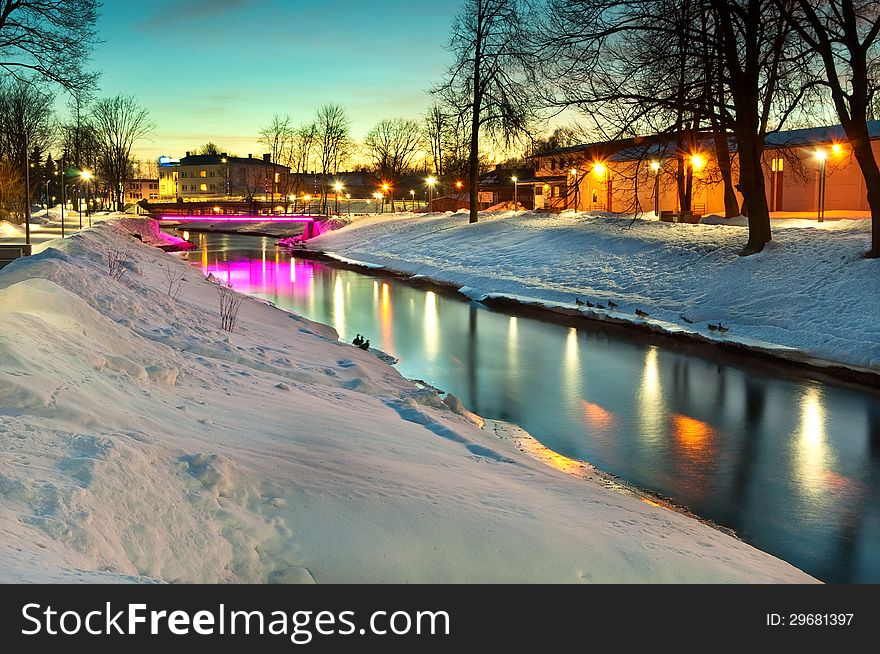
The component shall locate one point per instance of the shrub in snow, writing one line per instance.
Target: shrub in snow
(230, 303)
(173, 279)
(118, 261)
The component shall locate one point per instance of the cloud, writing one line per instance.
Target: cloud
(183, 11)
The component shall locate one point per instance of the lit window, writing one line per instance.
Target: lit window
(203, 174)
(203, 188)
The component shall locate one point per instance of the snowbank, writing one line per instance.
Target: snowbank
(139, 442)
(9, 230)
(810, 290)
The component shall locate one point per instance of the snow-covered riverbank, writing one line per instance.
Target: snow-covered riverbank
(140, 442)
(811, 289)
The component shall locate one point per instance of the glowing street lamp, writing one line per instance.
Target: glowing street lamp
(655, 166)
(386, 190)
(698, 162)
(338, 187)
(308, 200)
(379, 197)
(821, 157)
(86, 176)
(412, 195)
(515, 181)
(431, 181)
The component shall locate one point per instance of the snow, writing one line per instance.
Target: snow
(9, 230)
(140, 443)
(810, 292)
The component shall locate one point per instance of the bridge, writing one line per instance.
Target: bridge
(311, 224)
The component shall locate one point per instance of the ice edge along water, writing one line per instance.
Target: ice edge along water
(141, 443)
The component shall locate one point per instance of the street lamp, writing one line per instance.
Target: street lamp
(822, 157)
(515, 181)
(576, 185)
(308, 200)
(413, 196)
(86, 176)
(431, 181)
(378, 196)
(338, 187)
(386, 188)
(655, 166)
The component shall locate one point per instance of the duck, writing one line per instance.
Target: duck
(686, 319)
(713, 328)
(579, 302)
(600, 306)
(365, 345)
(611, 304)
(723, 329)
(591, 305)
(642, 314)
(358, 341)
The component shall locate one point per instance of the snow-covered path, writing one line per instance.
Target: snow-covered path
(139, 442)
(811, 289)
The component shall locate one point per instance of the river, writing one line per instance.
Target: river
(790, 463)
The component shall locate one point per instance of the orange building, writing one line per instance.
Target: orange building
(638, 174)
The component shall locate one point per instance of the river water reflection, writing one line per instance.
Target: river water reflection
(792, 465)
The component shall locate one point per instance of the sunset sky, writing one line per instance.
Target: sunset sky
(219, 69)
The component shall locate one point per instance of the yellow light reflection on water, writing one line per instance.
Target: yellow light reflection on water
(695, 438)
(339, 307)
(812, 458)
(597, 417)
(386, 318)
(513, 346)
(432, 326)
(571, 363)
(650, 398)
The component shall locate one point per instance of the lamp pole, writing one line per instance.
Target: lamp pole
(63, 196)
(27, 192)
(822, 157)
(412, 195)
(655, 166)
(431, 181)
(515, 181)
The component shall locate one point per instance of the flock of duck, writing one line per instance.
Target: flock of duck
(713, 327)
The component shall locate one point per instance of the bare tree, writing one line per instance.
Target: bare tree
(436, 134)
(392, 145)
(332, 129)
(487, 79)
(845, 35)
(25, 129)
(210, 148)
(277, 136)
(119, 122)
(51, 38)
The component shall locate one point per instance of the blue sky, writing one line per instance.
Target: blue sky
(219, 69)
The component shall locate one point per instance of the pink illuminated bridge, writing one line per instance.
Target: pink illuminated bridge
(237, 219)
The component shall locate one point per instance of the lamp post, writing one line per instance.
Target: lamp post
(431, 181)
(574, 176)
(63, 196)
(655, 166)
(27, 192)
(86, 177)
(338, 187)
(308, 201)
(515, 181)
(412, 195)
(386, 189)
(822, 157)
(379, 197)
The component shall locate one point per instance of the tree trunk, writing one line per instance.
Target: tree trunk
(722, 152)
(751, 178)
(860, 141)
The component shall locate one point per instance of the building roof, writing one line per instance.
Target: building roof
(659, 144)
(217, 159)
(504, 176)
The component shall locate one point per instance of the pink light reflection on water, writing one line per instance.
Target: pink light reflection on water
(281, 277)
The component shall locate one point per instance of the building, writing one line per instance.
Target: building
(641, 174)
(220, 176)
(141, 189)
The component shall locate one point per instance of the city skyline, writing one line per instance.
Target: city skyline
(301, 57)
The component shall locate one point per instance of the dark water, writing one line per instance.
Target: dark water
(792, 465)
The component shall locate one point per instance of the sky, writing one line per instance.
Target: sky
(217, 70)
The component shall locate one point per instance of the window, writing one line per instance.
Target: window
(212, 173)
(777, 165)
(203, 188)
(213, 187)
(203, 174)
(277, 178)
